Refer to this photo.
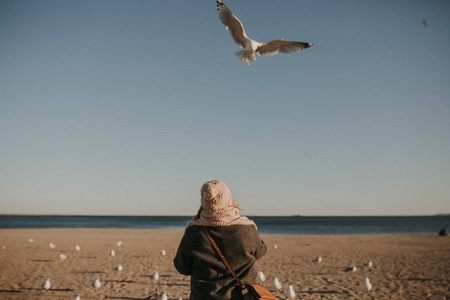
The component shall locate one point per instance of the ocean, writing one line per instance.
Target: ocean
(266, 225)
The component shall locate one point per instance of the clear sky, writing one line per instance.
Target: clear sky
(128, 107)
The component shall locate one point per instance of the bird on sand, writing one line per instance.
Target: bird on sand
(97, 283)
(277, 283)
(261, 276)
(162, 296)
(350, 269)
(46, 285)
(237, 32)
(155, 275)
(291, 292)
(369, 264)
(318, 259)
(119, 267)
(367, 285)
(77, 297)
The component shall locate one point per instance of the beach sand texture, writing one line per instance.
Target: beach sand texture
(404, 266)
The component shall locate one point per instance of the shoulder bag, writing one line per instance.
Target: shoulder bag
(249, 291)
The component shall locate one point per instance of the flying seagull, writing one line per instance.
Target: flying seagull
(236, 29)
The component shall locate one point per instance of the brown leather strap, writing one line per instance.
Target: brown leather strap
(222, 257)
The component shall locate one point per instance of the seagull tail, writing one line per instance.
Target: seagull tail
(244, 57)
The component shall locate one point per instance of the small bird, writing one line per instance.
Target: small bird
(351, 269)
(163, 252)
(275, 246)
(53, 246)
(155, 275)
(77, 247)
(97, 283)
(119, 267)
(369, 264)
(318, 259)
(261, 276)
(119, 243)
(424, 22)
(290, 292)
(77, 297)
(237, 32)
(31, 240)
(277, 283)
(113, 253)
(162, 296)
(63, 256)
(367, 285)
(47, 285)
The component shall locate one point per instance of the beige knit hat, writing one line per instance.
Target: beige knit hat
(218, 207)
(216, 196)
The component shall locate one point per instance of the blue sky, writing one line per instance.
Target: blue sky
(128, 107)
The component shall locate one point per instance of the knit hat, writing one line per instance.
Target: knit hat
(218, 207)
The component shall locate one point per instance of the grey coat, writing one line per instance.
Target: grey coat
(210, 279)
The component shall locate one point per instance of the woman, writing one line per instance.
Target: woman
(237, 237)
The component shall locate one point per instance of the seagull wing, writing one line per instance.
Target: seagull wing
(233, 25)
(281, 46)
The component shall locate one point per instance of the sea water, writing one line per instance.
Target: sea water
(266, 225)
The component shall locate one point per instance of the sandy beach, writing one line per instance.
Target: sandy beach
(404, 266)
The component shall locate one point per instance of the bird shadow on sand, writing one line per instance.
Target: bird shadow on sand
(39, 260)
(10, 291)
(50, 290)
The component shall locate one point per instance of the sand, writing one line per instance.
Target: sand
(404, 266)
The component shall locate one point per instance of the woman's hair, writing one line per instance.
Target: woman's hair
(197, 216)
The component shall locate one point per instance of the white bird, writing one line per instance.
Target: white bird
(290, 292)
(31, 240)
(46, 285)
(119, 243)
(162, 296)
(155, 275)
(97, 283)
(351, 269)
(53, 246)
(63, 256)
(369, 264)
(113, 253)
(277, 283)
(163, 252)
(318, 259)
(119, 267)
(77, 247)
(77, 297)
(367, 285)
(236, 29)
(275, 246)
(261, 276)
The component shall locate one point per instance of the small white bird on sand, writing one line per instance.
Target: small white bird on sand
(77, 247)
(351, 269)
(162, 296)
(113, 253)
(97, 283)
(369, 264)
(155, 275)
(47, 285)
(63, 256)
(77, 297)
(261, 276)
(277, 283)
(53, 246)
(275, 246)
(367, 285)
(31, 240)
(237, 32)
(119, 243)
(119, 267)
(318, 259)
(290, 291)
(163, 252)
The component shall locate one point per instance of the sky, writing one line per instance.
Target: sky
(128, 107)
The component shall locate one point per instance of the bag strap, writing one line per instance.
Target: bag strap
(223, 257)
